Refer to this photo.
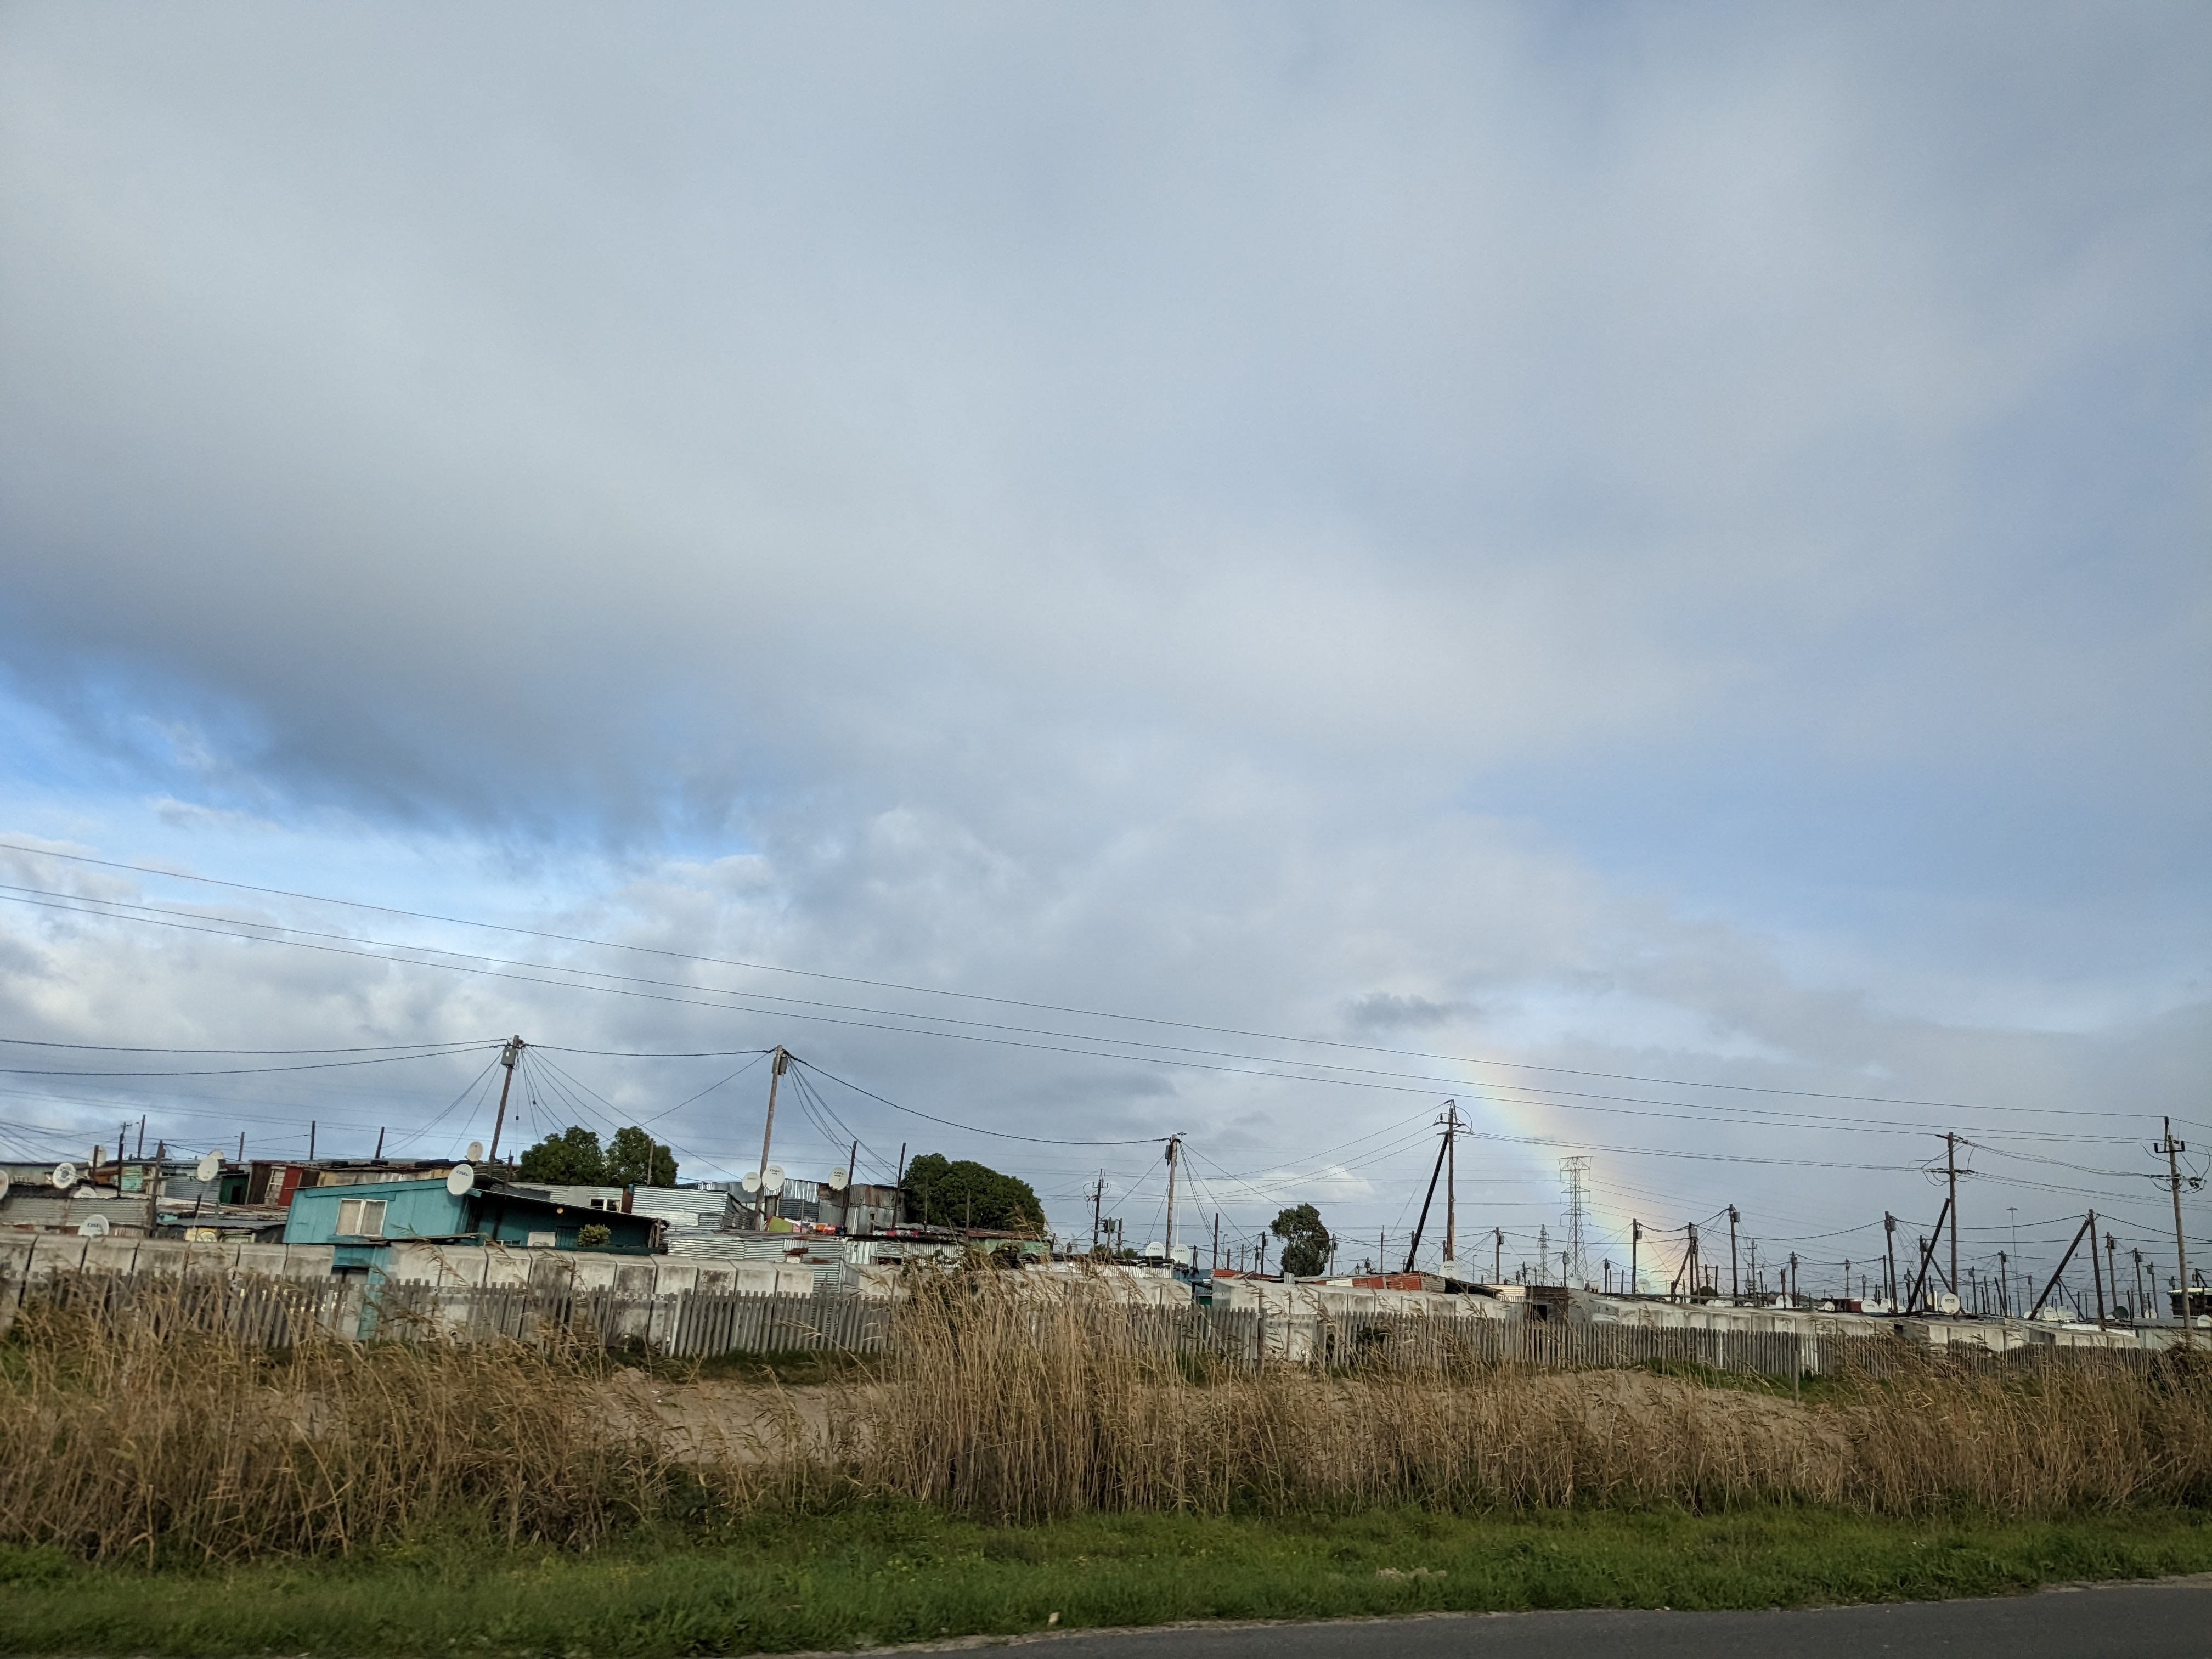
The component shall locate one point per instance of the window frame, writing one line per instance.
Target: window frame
(367, 1217)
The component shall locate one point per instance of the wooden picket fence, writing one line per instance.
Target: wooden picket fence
(249, 1309)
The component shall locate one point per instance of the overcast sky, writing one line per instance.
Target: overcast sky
(1667, 543)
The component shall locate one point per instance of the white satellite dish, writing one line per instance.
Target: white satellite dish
(65, 1176)
(459, 1179)
(476, 1151)
(3, 1183)
(209, 1167)
(751, 1180)
(837, 1177)
(93, 1226)
(1948, 1303)
(1155, 1249)
(772, 1178)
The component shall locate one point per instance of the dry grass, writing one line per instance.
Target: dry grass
(1016, 1410)
(124, 1431)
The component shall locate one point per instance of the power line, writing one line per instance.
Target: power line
(741, 1001)
(969, 1129)
(974, 996)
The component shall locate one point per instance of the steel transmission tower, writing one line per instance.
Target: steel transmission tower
(1573, 1169)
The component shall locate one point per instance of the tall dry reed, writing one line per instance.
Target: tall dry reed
(136, 1428)
(129, 1426)
(1012, 1404)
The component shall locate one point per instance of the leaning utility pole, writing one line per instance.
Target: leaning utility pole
(507, 1056)
(767, 1131)
(1733, 1218)
(2173, 1149)
(1444, 1150)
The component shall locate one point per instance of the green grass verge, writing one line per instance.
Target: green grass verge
(902, 1574)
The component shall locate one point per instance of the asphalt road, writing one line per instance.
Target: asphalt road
(2121, 1621)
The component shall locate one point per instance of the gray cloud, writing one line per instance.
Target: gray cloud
(1674, 532)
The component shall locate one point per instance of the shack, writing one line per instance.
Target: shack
(364, 1219)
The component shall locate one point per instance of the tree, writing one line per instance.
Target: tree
(571, 1158)
(962, 1194)
(1306, 1242)
(634, 1159)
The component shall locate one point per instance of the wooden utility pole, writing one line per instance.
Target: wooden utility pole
(1097, 1199)
(2096, 1275)
(1451, 1182)
(1217, 1239)
(1497, 1256)
(2173, 1149)
(1175, 1146)
(768, 1130)
(1889, 1253)
(1951, 1171)
(507, 1056)
(1635, 1245)
(1734, 1293)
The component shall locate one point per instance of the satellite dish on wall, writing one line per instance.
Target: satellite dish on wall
(1155, 1251)
(459, 1179)
(476, 1151)
(1948, 1303)
(209, 1167)
(837, 1178)
(93, 1226)
(772, 1178)
(65, 1176)
(751, 1180)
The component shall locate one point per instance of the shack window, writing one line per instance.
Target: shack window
(360, 1218)
(540, 1240)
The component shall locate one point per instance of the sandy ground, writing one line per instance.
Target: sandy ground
(730, 1416)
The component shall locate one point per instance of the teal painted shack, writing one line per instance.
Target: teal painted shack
(360, 1219)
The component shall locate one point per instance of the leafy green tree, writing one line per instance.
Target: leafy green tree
(634, 1159)
(571, 1158)
(946, 1193)
(1306, 1242)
